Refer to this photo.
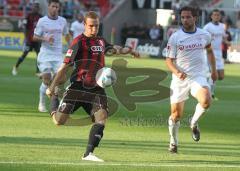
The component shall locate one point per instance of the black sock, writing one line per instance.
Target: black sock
(21, 59)
(54, 103)
(95, 136)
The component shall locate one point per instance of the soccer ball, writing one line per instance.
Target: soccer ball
(106, 77)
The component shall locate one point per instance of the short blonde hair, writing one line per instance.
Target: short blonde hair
(90, 14)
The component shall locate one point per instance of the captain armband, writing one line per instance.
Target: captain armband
(209, 48)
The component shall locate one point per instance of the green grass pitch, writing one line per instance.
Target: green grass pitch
(30, 141)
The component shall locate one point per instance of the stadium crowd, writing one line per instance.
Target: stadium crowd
(138, 30)
(20, 8)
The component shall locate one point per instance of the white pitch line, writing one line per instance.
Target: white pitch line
(194, 165)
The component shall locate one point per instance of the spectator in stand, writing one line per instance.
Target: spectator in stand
(154, 33)
(176, 5)
(132, 30)
(141, 31)
(238, 21)
(68, 9)
(124, 33)
(161, 31)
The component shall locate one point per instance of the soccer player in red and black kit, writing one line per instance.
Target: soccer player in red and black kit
(86, 57)
(30, 24)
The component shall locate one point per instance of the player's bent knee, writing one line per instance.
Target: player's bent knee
(176, 114)
(100, 116)
(60, 118)
(206, 104)
(175, 117)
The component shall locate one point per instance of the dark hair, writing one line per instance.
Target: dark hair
(193, 10)
(54, 1)
(216, 10)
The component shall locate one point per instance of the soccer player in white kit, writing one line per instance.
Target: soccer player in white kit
(49, 31)
(216, 29)
(77, 27)
(186, 60)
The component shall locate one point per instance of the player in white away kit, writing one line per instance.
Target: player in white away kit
(216, 29)
(49, 31)
(77, 27)
(186, 61)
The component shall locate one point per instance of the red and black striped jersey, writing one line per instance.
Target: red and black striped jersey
(31, 22)
(86, 54)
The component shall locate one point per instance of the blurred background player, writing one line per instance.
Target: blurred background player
(217, 31)
(77, 27)
(87, 55)
(226, 44)
(49, 31)
(29, 25)
(186, 60)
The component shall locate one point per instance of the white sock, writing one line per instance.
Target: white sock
(42, 93)
(198, 113)
(173, 131)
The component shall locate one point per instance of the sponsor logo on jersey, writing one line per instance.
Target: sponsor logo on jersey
(97, 48)
(181, 47)
(191, 46)
(69, 53)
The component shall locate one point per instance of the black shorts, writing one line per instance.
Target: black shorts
(77, 96)
(29, 46)
(224, 54)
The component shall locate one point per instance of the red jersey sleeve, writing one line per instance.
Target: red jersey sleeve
(72, 51)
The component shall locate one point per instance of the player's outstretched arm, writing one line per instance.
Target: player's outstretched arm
(119, 50)
(126, 50)
(212, 61)
(59, 79)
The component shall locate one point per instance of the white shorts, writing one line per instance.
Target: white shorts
(219, 59)
(180, 89)
(48, 62)
(49, 66)
(219, 63)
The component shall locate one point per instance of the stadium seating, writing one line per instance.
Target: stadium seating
(105, 6)
(14, 8)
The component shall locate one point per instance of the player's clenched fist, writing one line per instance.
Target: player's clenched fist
(48, 92)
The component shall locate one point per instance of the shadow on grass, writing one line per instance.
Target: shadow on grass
(215, 149)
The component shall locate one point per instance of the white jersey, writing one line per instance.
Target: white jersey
(217, 32)
(48, 27)
(77, 28)
(189, 51)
